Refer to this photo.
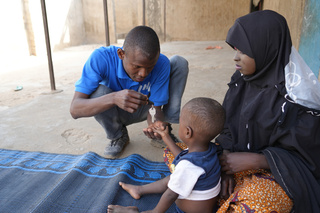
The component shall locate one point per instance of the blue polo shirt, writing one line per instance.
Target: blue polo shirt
(105, 67)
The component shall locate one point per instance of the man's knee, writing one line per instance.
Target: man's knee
(177, 61)
(100, 91)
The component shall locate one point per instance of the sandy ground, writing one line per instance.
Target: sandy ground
(38, 119)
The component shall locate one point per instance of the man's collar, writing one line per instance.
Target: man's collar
(121, 73)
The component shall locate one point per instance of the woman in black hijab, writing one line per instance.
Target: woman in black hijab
(271, 139)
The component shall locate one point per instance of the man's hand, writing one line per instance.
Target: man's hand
(84, 106)
(130, 100)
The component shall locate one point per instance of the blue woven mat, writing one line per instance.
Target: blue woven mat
(43, 182)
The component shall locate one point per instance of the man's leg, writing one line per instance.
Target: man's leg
(114, 122)
(109, 119)
(178, 79)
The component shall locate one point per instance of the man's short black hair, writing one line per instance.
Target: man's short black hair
(143, 38)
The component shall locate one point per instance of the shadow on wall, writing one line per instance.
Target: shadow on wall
(28, 27)
(65, 21)
(73, 32)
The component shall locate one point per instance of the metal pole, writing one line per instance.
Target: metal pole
(165, 20)
(106, 21)
(143, 12)
(46, 33)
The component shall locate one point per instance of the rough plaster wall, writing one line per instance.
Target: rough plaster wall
(183, 20)
(155, 16)
(123, 15)
(203, 20)
(310, 34)
(65, 22)
(72, 31)
(127, 16)
(93, 17)
(293, 11)
(76, 22)
(28, 27)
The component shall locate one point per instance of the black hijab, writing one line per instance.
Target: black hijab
(260, 119)
(265, 37)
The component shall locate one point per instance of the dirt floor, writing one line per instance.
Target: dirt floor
(34, 118)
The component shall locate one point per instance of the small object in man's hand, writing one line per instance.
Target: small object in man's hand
(152, 112)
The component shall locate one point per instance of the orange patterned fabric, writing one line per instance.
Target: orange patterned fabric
(168, 156)
(256, 191)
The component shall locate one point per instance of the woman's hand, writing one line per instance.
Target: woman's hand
(227, 185)
(240, 161)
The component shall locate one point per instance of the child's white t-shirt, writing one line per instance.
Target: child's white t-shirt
(184, 178)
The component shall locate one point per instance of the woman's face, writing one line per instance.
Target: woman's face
(245, 64)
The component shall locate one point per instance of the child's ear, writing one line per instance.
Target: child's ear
(120, 53)
(189, 132)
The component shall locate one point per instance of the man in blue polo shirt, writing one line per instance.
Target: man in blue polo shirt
(118, 84)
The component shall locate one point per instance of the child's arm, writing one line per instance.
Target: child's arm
(163, 131)
(166, 200)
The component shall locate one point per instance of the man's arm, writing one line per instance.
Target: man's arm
(128, 100)
(83, 106)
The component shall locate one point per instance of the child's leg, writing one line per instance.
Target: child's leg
(137, 191)
(122, 209)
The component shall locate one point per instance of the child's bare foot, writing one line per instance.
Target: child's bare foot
(122, 209)
(133, 190)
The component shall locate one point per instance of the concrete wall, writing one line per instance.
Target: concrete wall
(76, 22)
(293, 11)
(176, 20)
(21, 21)
(202, 20)
(303, 19)
(93, 20)
(310, 36)
(122, 16)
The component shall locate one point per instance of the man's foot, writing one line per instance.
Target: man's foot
(133, 190)
(122, 209)
(116, 146)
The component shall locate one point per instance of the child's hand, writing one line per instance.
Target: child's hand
(154, 130)
(160, 128)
